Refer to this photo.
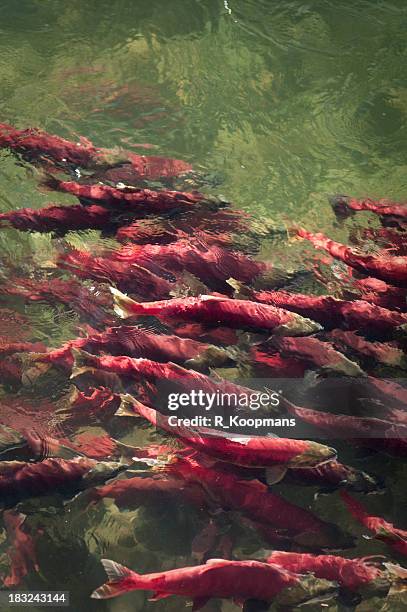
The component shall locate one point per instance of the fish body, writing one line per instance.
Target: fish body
(392, 269)
(214, 310)
(238, 580)
(137, 491)
(211, 264)
(367, 431)
(333, 474)
(143, 201)
(145, 370)
(38, 145)
(318, 353)
(345, 204)
(382, 294)
(247, 451)
(53, 475)
(273, 365)
(381, 352)
(383, 530)
(21, 551)
(255, 500)
(88, 303)
(135, 278)
(82, 407)
(353, 574)
(57, 218)
(332, 312)
(136, 342)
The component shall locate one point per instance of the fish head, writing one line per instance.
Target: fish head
(298, 326)
(10, 439)
(307, 589)
(316, 454)
(103, 471)
(361, 482)
(328, 536)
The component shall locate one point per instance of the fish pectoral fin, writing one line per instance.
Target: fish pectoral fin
(275, 474)
(156, 596)
(199, 603)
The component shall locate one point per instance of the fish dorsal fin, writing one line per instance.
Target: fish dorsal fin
(213, 298)
(216, 561)
(115, 572)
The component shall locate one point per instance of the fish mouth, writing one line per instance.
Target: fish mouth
(298, 326)
(317, 456)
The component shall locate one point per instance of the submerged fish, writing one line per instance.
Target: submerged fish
(21, 550)
(136, 342)
(212, 264)
(331, 312)
(142, 201)
(136, 278)
(333, 475)
(384, 267)
(84, 407)
(382, 294)
(279, 454)
(136, 491)
(91, 304)
(383, 530)
(59, 219)
(164, 375)
(320, 354)
(237, 580)
(32, 445)
(214, 310)
(365, 431)
(382, 352)
(343, 204)
(359, 574)
(255, 501)
(38, 145)
(20, 480)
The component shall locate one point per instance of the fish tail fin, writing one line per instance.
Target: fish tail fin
(118, 582)
(240, 289)
(127, 407)
(82, 362)
(33, 366)
(122, 304)
(126, 451)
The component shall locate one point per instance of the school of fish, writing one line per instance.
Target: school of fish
(183, 305)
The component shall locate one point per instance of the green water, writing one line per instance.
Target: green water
(278, 103)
